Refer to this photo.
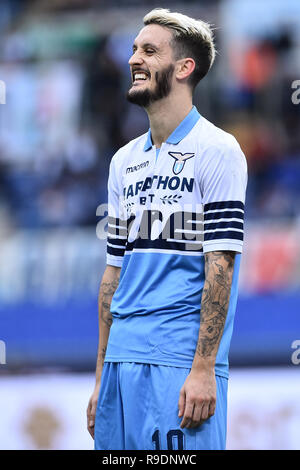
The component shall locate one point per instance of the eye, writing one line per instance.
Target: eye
(149, 51)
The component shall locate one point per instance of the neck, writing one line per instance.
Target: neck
(165, 115)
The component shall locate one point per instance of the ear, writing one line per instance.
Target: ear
(184, 68)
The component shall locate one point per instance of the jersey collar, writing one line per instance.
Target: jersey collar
(180, 132)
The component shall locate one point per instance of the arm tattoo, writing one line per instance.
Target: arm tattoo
(103, 355)
(106, 293)
(215, 300)
(109, 284)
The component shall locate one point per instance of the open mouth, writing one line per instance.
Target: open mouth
(139, 77)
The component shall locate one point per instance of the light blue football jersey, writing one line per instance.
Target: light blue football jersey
(166, 209)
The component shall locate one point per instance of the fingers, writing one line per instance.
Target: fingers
(212, 408)
(91, 414)
(181, 403)
(91, 428)
(197, 411)
(196, 418)
(188, 414)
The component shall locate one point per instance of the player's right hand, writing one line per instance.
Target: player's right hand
(91, 410)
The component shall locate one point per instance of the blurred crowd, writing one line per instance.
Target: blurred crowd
(66, 114)
(261, 114)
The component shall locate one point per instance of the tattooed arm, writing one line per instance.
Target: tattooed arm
(197, 399)
(107, 289)
(109, 284)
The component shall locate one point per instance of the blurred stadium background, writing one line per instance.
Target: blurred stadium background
(64, 63)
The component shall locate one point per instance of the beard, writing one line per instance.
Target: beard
(162, 89)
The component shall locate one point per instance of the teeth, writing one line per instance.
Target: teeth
(140, 76)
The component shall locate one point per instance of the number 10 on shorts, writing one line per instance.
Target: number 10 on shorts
(175, 440)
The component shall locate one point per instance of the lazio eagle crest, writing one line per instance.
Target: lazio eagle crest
(180, 159)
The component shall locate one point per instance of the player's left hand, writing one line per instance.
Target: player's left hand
(197, 399)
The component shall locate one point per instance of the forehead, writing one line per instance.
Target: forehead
(155, 34)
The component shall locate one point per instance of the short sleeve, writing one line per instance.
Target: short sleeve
(224, 182)
(117, 225)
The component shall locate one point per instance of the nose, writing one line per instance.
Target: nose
(135, 59)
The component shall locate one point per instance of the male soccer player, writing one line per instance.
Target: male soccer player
(175, 233)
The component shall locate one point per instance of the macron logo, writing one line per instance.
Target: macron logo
(131, 169)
